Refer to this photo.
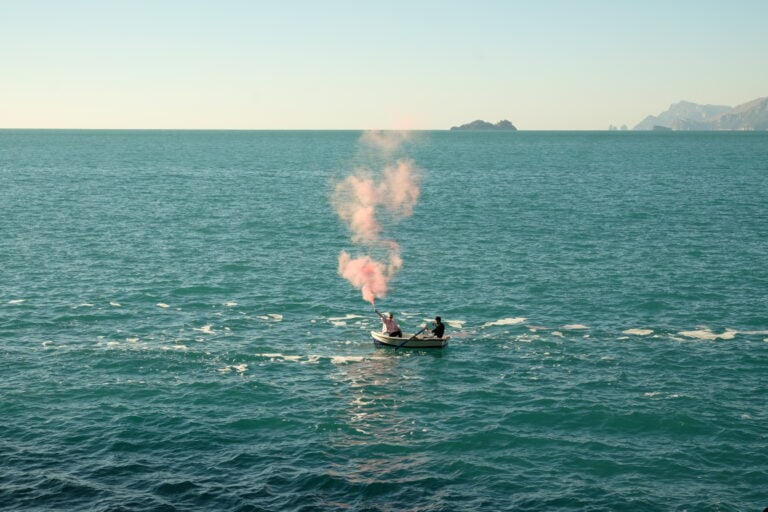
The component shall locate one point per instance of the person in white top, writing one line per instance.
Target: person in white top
(389, 325)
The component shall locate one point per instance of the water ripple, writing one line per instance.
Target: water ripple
(176, 337)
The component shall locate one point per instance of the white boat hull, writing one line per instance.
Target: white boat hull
(381, 339)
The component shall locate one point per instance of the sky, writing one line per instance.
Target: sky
(326, 64)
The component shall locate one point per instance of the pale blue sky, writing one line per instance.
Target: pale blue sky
(363, 65)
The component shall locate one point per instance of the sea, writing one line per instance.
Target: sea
(175, 334)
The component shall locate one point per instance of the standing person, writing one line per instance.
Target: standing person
(389, 325)
(439, 328)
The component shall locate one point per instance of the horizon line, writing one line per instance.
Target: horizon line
(323, 129)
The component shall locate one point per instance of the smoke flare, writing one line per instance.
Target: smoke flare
(359, 199)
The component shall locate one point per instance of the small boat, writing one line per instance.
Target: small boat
(383, 340)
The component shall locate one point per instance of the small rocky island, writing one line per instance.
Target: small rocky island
(502, 125)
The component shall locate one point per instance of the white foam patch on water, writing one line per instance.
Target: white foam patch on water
(132, 340)
(707, 334)
(638, 332)
(456, 324)
(338, 323)
(207, 329)
(346, 359)
(314, 358)
(162, 305)
(575, 327)
(271, 316)
(114, 304)
(178, 346)
(17, 301)
(349, 316)
(659, 395)
(558, 334)
(84, 305)
(506, 321)
(230, 304)
(239, 368)
(281, 357)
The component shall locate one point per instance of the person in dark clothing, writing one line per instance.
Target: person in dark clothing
(439, 328)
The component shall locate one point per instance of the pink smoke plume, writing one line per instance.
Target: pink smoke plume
(385, 140)
(370, 276)
(358, 199)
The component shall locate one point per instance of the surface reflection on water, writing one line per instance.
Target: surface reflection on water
(376, 441)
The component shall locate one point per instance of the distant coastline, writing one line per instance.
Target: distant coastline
(687, 116)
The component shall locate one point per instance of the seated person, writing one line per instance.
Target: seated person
(439, 328)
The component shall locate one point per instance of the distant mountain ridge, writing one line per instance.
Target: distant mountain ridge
(502, 125)
(685, 115)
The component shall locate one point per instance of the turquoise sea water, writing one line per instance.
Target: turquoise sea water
(174, 334)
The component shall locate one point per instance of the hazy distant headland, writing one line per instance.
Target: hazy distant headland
(685, 115)
(502, 125)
